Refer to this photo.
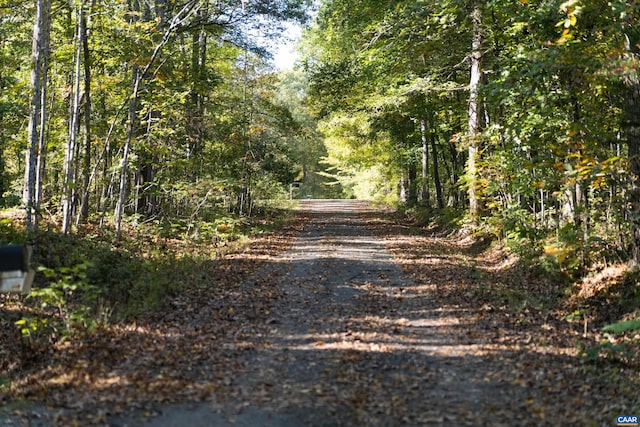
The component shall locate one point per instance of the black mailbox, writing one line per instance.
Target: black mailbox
(14, 257)
(15, 274)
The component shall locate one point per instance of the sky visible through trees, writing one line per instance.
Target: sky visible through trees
(284, 53)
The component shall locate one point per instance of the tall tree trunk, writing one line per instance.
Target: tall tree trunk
(634, 195)
(124, 170)
(86, 164)
(42, 140)
(145, 175)
(3, 180)
(412, 172)
(29, 188)
(198, 76)
(68, 195)
(136, 80)
(632, 131)
(426, 199)
(454, 191)
(474, 106)
(632, 116)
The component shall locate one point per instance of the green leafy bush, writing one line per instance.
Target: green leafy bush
(69, 297)
(114, 275)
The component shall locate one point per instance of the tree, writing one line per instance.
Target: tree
(628, 15)
(136, 111)
(474, 108)
(40, 27)
(69, 192)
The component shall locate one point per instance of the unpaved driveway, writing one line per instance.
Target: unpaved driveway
(351, 340)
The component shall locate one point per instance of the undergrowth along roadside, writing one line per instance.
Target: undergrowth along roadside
(600, 305)
(86, 280)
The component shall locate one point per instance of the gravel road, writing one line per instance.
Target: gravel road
(350, 341)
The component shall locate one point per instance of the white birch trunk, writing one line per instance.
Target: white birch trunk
(42, 142)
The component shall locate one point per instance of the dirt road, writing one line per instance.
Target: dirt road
(351, 340)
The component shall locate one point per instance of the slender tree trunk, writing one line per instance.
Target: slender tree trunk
(136, 81)
(42, 140)
(145, 174)
(576, 193)
(474, 106)
(426, 198)
(68, 195)
(631, 126)
(198, 75)
(124, 172)
(29, 189)
(403, 188)
(436, 172)
(3, 180)
(412, 172)
(633, 146)
(543, 213)
(86, 167)
(454, 192)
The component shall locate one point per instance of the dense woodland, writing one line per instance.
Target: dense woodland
(147, 111)
(516, 120)
(520, 115)
(523, 114)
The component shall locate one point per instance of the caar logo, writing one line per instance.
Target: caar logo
(627, 420)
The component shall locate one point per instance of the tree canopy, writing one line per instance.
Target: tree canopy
(521, 115)
(147, 110)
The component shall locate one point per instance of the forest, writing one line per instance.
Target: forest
(139, 140)
(515, 118)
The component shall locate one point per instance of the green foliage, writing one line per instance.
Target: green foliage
(9, 233)
(446, 220)
(115, 274)
(65, 304)
(68, 284)
(551, 173)
(622, 327)
(607, 350)
(615, 347)
(31, 327)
